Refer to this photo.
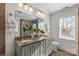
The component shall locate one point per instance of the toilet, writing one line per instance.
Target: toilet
(55, 46)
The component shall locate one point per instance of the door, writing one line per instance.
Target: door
(2, 29)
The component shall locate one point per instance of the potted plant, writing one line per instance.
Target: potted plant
(28, 30)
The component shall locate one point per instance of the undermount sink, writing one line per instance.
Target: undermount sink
(26, 40)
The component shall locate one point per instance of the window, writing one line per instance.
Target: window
(67, 28)
(41, 26)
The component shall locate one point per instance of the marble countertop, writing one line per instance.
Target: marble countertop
(25, 42)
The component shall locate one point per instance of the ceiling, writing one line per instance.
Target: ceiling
(52, 7)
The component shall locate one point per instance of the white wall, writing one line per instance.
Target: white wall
(68, 45)
(10, 35)
(9, 40)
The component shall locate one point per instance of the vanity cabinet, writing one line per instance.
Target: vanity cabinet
(33, 49)
(43, 48)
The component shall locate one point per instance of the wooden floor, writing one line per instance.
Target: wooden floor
(61, 53)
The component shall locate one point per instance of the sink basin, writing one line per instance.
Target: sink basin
(26, 40)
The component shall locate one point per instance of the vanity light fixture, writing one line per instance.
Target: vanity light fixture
(20, 4)
(26, 6)
(30, 9)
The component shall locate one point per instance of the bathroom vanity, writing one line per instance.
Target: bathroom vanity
(31, 25)
(31, 47)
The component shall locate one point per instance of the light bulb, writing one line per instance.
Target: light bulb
(38, 13)
(20, 4)
(26, 7)
(30, 9)
(43, 14)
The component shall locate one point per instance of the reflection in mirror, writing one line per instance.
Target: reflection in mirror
(27, 22)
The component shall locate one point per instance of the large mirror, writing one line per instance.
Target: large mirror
(27, 20)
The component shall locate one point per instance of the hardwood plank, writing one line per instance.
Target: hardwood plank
(61, 53)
